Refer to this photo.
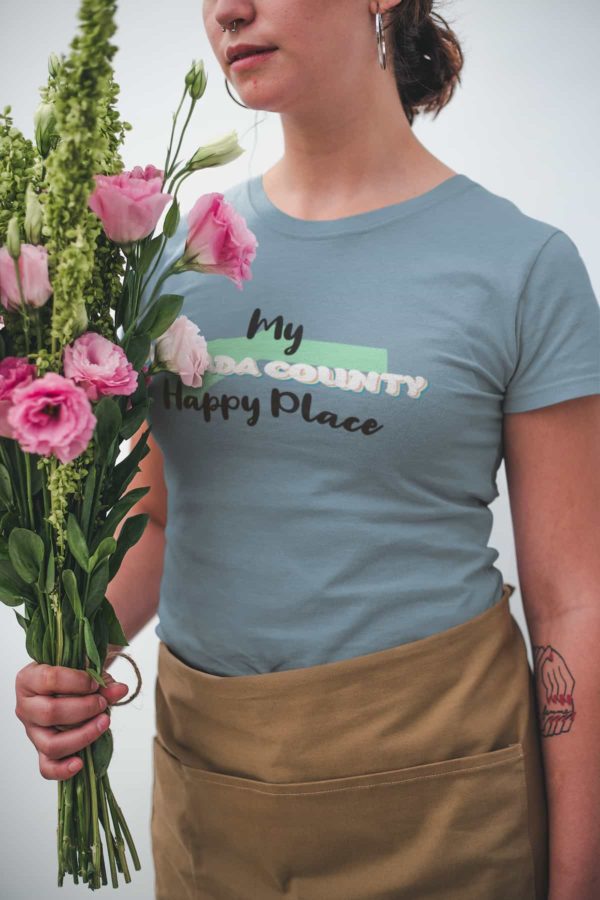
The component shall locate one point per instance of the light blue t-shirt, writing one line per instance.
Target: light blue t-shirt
(329, 485)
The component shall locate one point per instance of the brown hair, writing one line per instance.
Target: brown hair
(426, 56)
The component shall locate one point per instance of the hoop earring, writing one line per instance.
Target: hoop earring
(239, 103)
(380, 36)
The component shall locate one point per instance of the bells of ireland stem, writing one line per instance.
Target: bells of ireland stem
(33, 216)
(44, 121)
(217, 153)
(13, 238)
(195, 80)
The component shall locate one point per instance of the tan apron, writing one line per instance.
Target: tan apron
(412, 773)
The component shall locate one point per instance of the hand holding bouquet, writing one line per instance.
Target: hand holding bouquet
(77, 352)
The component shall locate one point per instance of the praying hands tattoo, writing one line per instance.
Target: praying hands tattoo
(555, 686)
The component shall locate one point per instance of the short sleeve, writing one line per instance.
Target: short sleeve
(557, 331)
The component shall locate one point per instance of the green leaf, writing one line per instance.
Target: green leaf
(102, 751)
(98, 678)
(47, 648)
(131, 532)
(101, 636)
(160, 315)
(35, 636)
(97, 588)
(50, 572)
(90, 644)
(124, 471)
(36, 477)
(109, 421)
(116, 634)
(104, 549)
(70, 583)
(137, 349)
(133, 418)
(67, 643)
(13, 590)
(120, 509)
(23, 622)
(148, 254)
(172, 219)
(77, 542)
(6, 492)
(26, 551)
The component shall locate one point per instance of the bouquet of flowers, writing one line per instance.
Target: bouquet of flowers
(78, 348)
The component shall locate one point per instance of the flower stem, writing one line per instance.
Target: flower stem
(175, 117)
(109, 838)
(116, 810)
(93, 791)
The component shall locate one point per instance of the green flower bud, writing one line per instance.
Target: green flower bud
(44, 121)
(53, 64)
(33, 216)
(189, 78)
(217, 153)
(198, 83)
(13, 238)
(171, 220)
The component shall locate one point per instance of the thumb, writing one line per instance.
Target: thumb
(114, 690)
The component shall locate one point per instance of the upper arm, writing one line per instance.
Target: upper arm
(552, 462)
(151, 474)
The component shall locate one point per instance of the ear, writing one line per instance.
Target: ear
(383, 5)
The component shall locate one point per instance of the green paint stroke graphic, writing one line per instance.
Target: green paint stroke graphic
(265, 347)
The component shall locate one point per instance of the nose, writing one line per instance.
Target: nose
(233, 13)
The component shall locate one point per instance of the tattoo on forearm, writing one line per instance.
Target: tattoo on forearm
(555, 686)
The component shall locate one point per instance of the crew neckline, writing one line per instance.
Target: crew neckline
(281, 221)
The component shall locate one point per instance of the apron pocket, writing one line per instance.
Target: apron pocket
(450, 830)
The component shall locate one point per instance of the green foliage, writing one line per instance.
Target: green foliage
(26, 551)
(13, 589)
(160, 315)
(132, 530)
(108, 414)
(17, 169)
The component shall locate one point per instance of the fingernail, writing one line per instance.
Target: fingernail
(74, 765)
(102, 722)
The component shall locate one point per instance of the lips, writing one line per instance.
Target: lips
(242, 50)
(250, 53)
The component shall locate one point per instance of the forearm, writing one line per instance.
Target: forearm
(134, 591)
(566, 653)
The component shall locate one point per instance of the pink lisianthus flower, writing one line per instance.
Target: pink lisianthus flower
(182, 349)
(15, 372)
(129, 204)
(98, 366)
(52, 415)
(33, 270)
(219, 242)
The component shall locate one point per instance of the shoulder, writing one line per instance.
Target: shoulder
(504, 219)
(498, 228)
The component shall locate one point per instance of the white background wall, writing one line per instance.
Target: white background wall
(525, 124)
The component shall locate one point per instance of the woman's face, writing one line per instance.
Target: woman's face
(324, 52)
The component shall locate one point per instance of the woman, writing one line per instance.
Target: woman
(345, 708)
